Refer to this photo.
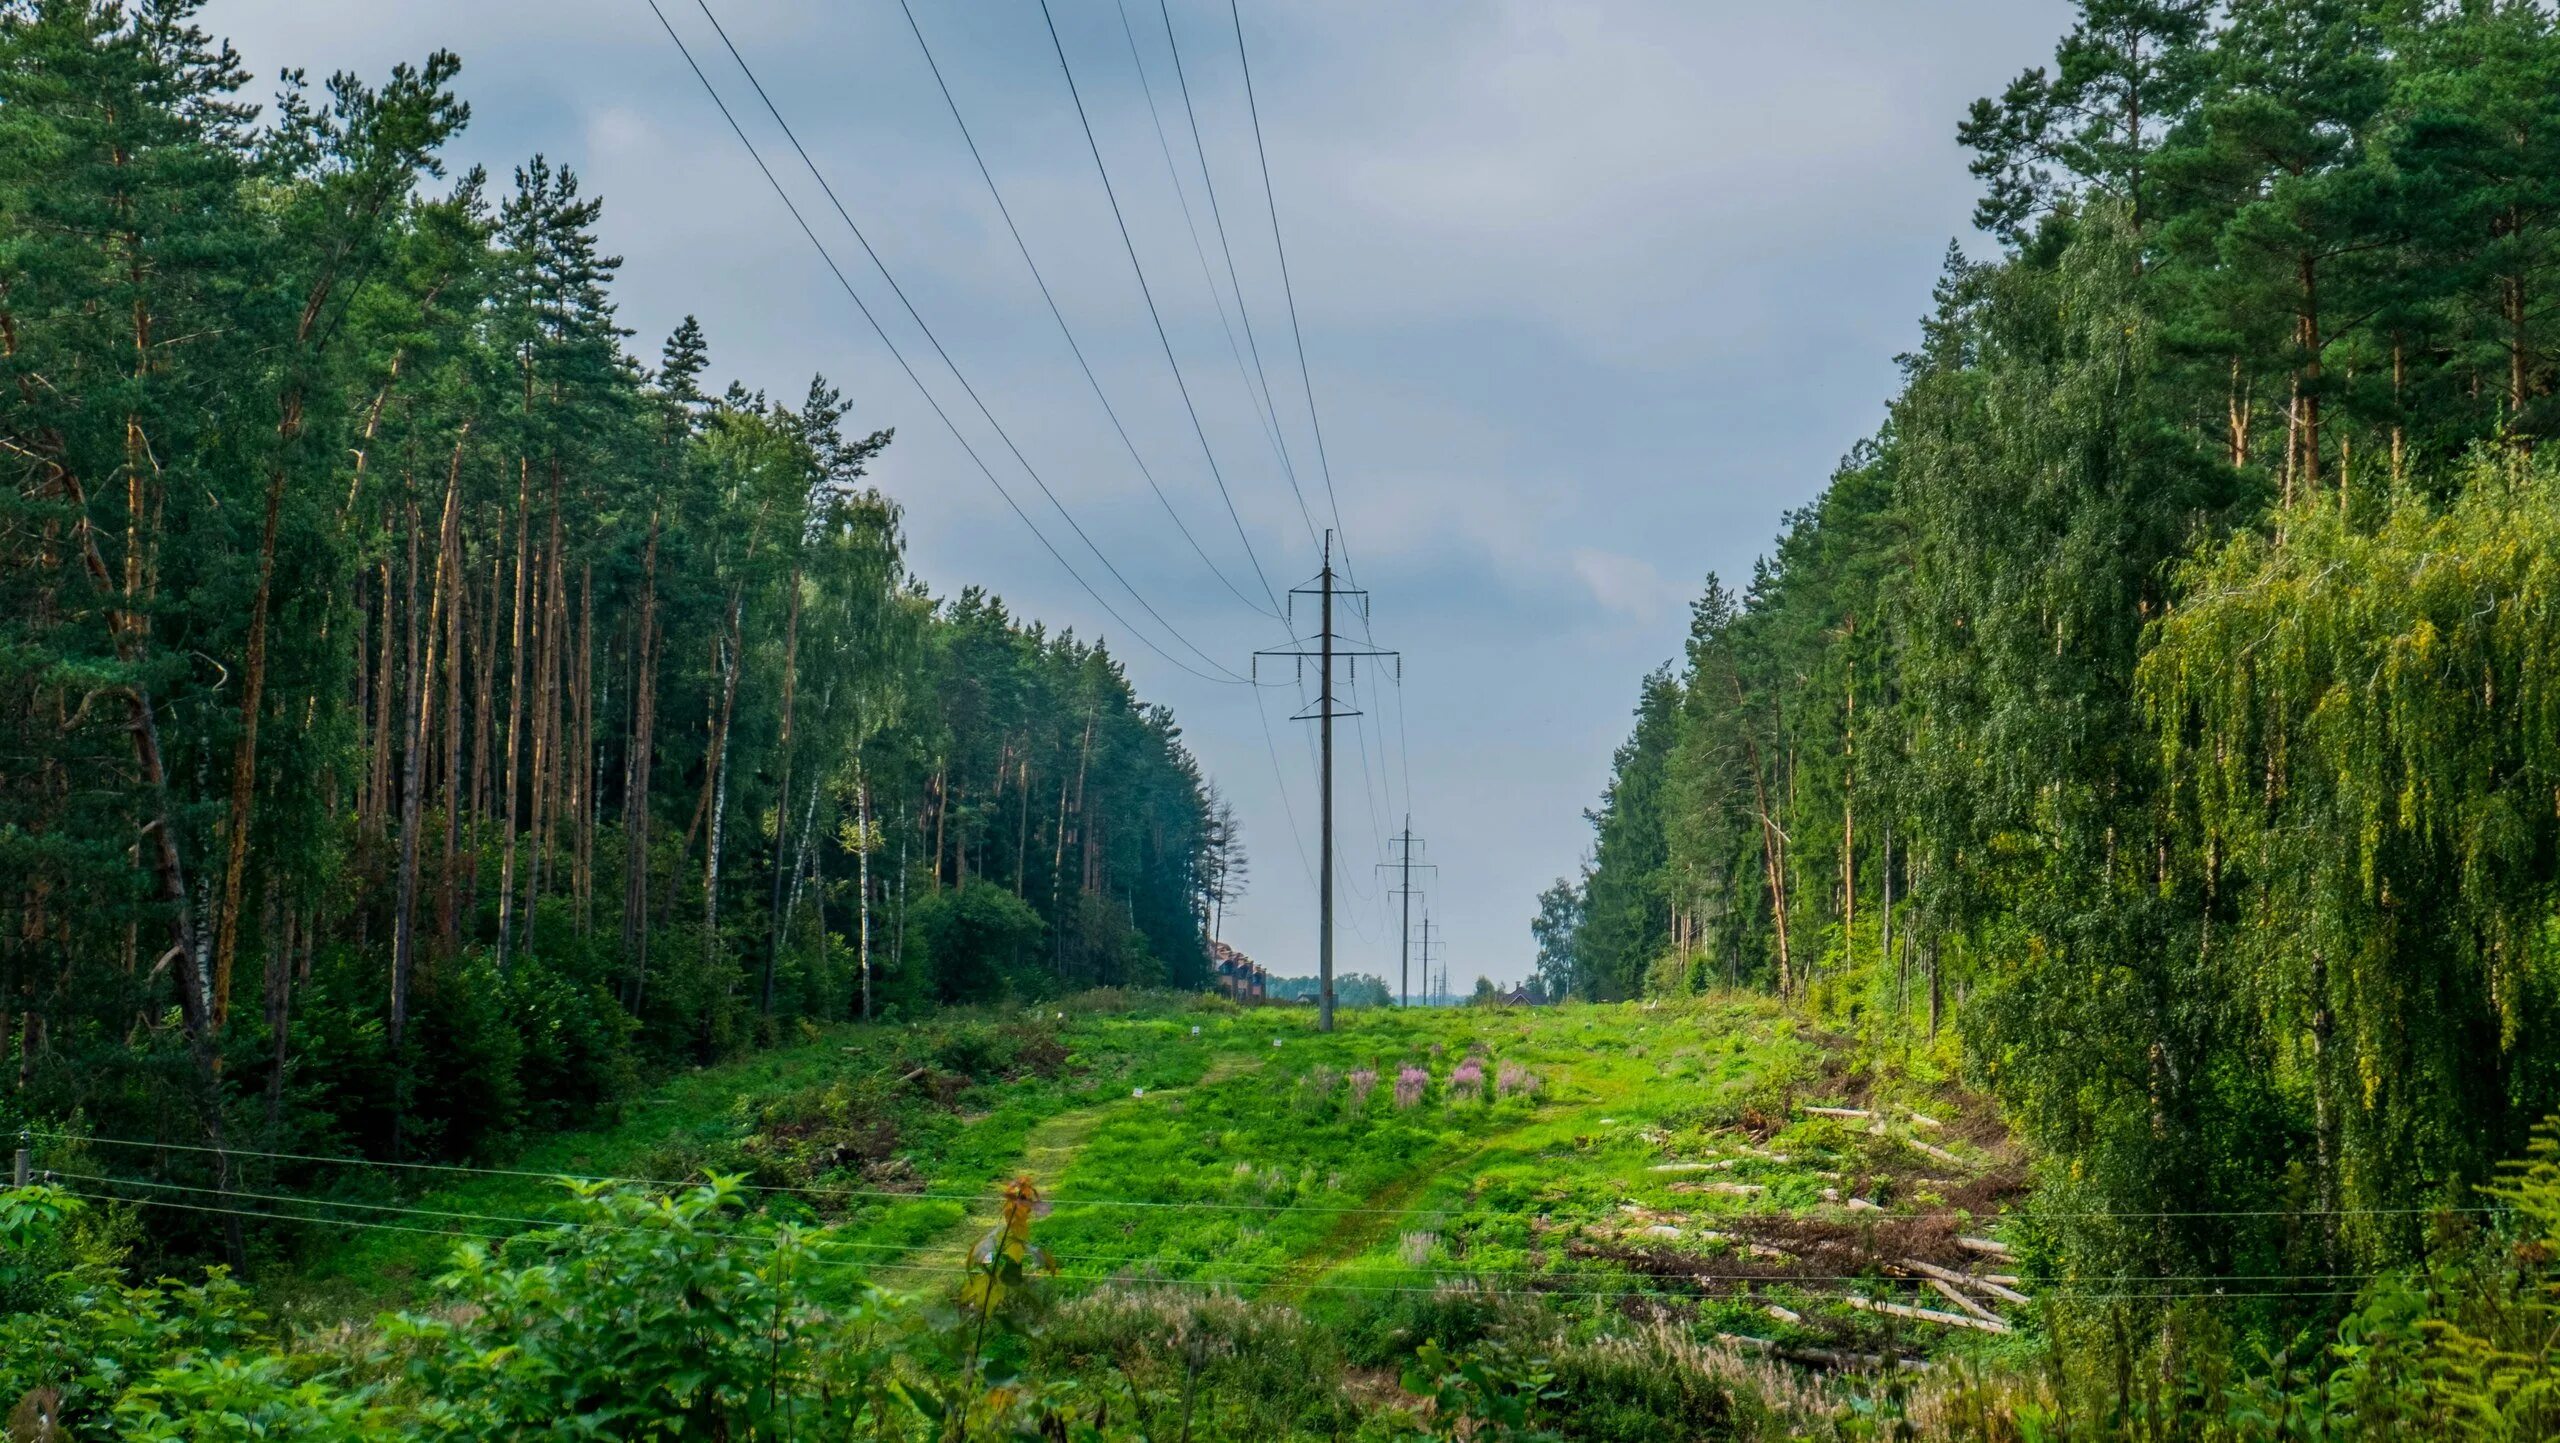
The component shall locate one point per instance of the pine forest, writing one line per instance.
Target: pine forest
(525, 916)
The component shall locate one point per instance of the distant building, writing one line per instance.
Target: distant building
(1524, 996)
(1238, 976)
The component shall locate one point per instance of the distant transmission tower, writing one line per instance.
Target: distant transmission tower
(1408, 850)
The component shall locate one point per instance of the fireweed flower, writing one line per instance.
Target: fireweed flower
(1410, 1081)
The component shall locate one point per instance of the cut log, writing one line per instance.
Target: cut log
(1984, 1246)
(1783, 1315)
(1927, 1315)
(1820, 1357)
(1931, 1150)
(1955, 1295)
(1927, 1121)
(1839, 1112)
(1944, 1275)
(1999, 1286)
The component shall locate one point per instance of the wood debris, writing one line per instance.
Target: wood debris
(1932, 1150)
(1956, 1296)
(1820, 1357)
(1928, 1315)
(2001, 1287)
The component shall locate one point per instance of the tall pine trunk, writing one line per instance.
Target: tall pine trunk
(635, 793)
(419, 714)
(782, 790)
(508, 779)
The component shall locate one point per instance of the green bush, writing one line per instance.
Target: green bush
(972, 941)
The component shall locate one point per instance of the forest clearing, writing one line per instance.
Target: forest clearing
(1702, 1167)
(631, 821)
(1600, 1149)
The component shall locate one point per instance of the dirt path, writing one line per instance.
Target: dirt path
(1384, 1211)
(1049, 1149)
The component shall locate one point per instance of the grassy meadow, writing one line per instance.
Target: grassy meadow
(1600, 1167)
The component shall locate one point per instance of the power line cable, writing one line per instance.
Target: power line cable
(817, 1190)
(1229, 676)
(1165, 340)
(1297, 335)
(1404, 757)
(1754, 1284)
(1217, 218)
(1297, 835)
(1298, 339)
(984, 173)
(825, 1234)
(1368, 783)
(1261, 402)
(1287, 290)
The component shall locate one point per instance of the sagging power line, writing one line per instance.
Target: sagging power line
(1051, 300)
(899, 355)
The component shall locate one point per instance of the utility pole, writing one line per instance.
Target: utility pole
(1404, 866)
(1327, 647)
(1435, 994)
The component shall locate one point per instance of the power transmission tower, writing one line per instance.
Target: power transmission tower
(1327, 647)
(1403, 867)
(1436, 994)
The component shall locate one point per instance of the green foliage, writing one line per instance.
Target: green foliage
(972, 940)
(1350, 989)
(652, 1316)
(505, 720)
(2150, 724)
(645, 1316)
(1482, 1395)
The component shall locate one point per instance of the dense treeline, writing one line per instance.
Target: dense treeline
(419, 713)
(2165, 696)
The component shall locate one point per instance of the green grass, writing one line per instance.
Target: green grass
(1179, 1143)
(721, 1118)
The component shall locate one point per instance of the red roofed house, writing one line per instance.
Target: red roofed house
(1237, 974)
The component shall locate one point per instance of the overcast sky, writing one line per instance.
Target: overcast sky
(1591, 293)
